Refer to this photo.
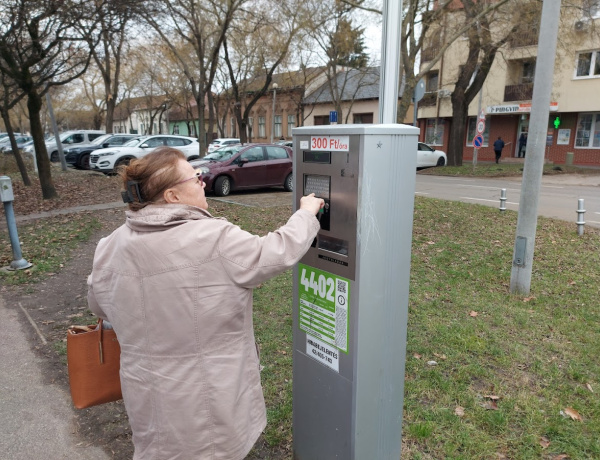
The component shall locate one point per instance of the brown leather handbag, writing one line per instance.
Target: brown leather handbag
(93, 358)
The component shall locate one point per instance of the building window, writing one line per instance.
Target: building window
(175, 129)
(432, 82)
(588, 64)
(321, 120)
(291, 124)
(472, 131)
(528, 72)
(593, 8)
(588, 131)
(434, 133)
(360, 118)
(278, 120)
(262, 132)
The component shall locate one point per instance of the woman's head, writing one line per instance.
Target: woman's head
(161, 177)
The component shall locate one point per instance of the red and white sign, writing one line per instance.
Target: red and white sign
(330, 143)
(481, 126)
(482, 115)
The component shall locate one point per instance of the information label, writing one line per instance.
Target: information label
(324, 299)
(335, 143)
(323, 353)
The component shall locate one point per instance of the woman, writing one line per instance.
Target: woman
(176, 284)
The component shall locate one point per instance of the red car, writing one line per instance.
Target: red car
(239, 167)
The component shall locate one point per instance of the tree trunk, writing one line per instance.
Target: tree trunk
(34, 106)
(456, 140)
(15, 149)
(110, 113)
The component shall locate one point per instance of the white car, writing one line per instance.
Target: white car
(110, 159)
(69, 138)
(222, 142)
(427, 156)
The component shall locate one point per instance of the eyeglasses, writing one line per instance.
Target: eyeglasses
(197, 176)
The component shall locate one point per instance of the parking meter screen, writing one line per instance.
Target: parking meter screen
(319, 185)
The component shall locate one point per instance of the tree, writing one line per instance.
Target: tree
(256, 45)
(41, 47)
(202, 25)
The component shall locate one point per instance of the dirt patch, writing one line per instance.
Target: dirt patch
(60, 299)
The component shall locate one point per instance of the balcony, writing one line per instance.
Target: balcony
(524, 38)
(522, 92)
(428, 100)
(429, 53)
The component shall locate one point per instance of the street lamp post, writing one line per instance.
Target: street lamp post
(275, 86)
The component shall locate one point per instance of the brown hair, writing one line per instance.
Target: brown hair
(153, 173)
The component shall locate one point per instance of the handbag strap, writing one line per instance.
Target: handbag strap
(100, 352)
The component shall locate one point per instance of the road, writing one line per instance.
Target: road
(558, 195)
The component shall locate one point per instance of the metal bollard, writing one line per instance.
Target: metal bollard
(7, 197)
(503, 199)
(580, 213)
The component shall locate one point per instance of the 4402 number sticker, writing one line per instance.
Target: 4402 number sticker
(323, 305)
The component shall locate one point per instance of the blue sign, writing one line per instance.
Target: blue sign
(333, 116)
(478, 141)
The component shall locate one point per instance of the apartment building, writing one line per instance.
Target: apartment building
(506, 96)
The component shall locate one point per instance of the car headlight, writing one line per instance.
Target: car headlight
(204, 170)
(105, 154)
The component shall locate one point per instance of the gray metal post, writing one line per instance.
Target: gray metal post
(7, 197)
(61, 154)
(520, 280)
(580, 214)
(390, 61)
(475, 151)
(503, 199)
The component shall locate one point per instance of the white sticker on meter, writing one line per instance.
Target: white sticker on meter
(323, 353)
(329, 143)
(304, 145)
(323, 300)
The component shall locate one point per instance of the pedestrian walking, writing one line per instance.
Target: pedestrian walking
(176, 284)
(522, 145)
(498, 146)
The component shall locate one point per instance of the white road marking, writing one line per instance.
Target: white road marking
(421, 193)
(482, 199)
(489, 187)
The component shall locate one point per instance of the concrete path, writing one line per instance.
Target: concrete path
(36, 419)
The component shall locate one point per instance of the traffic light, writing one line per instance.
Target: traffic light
(556, 122)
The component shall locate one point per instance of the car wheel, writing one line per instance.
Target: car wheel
(441, 162)
(222, 186)
(193, 157)
(289, 183)
(84, 161)
(54, 157)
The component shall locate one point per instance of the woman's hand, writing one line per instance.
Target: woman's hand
(311, 203)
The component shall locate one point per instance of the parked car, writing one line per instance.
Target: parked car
(286, 143)
(110, 159)
(247, 166)
(222, 142)
(428, 156)
(21, 140)
(79, 156)
(82, 136)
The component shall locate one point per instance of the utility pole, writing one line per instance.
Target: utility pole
(522, 264)
(390, 62)
(61, 154)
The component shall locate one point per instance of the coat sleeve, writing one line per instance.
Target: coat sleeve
(93, 304)
(250, 260)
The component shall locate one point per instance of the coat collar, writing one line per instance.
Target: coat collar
(157, 217)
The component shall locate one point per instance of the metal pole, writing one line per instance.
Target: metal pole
(273, 114)
(520, 280)
(7, 197)
(477, 121)
(61, 154)
(503, 199)
(390, 61)
(580, 214)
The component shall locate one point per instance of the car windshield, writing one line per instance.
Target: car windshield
(134, 142)
(101, 139)
(223, 154)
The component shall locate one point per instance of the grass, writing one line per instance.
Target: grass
(47, 244)
(503, 170)
(509, 367)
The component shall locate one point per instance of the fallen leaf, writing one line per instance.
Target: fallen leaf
(473, 314)
(492, 397)
(527, 299)
(544, 442)
(560, 457)
(432, 363)
(440, 356)
(589, 387)
(572, 283)
(417, 356)
(573, 414)
(490, 405)
(431, 242)
(459, 411)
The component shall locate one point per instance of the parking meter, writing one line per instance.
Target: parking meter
(350, 294)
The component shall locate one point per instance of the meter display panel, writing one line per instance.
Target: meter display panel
(317, 157)
(319, 185)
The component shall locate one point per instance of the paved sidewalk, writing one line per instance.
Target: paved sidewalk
(36, 419)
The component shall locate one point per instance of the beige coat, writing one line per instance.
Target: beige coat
(176, 283)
